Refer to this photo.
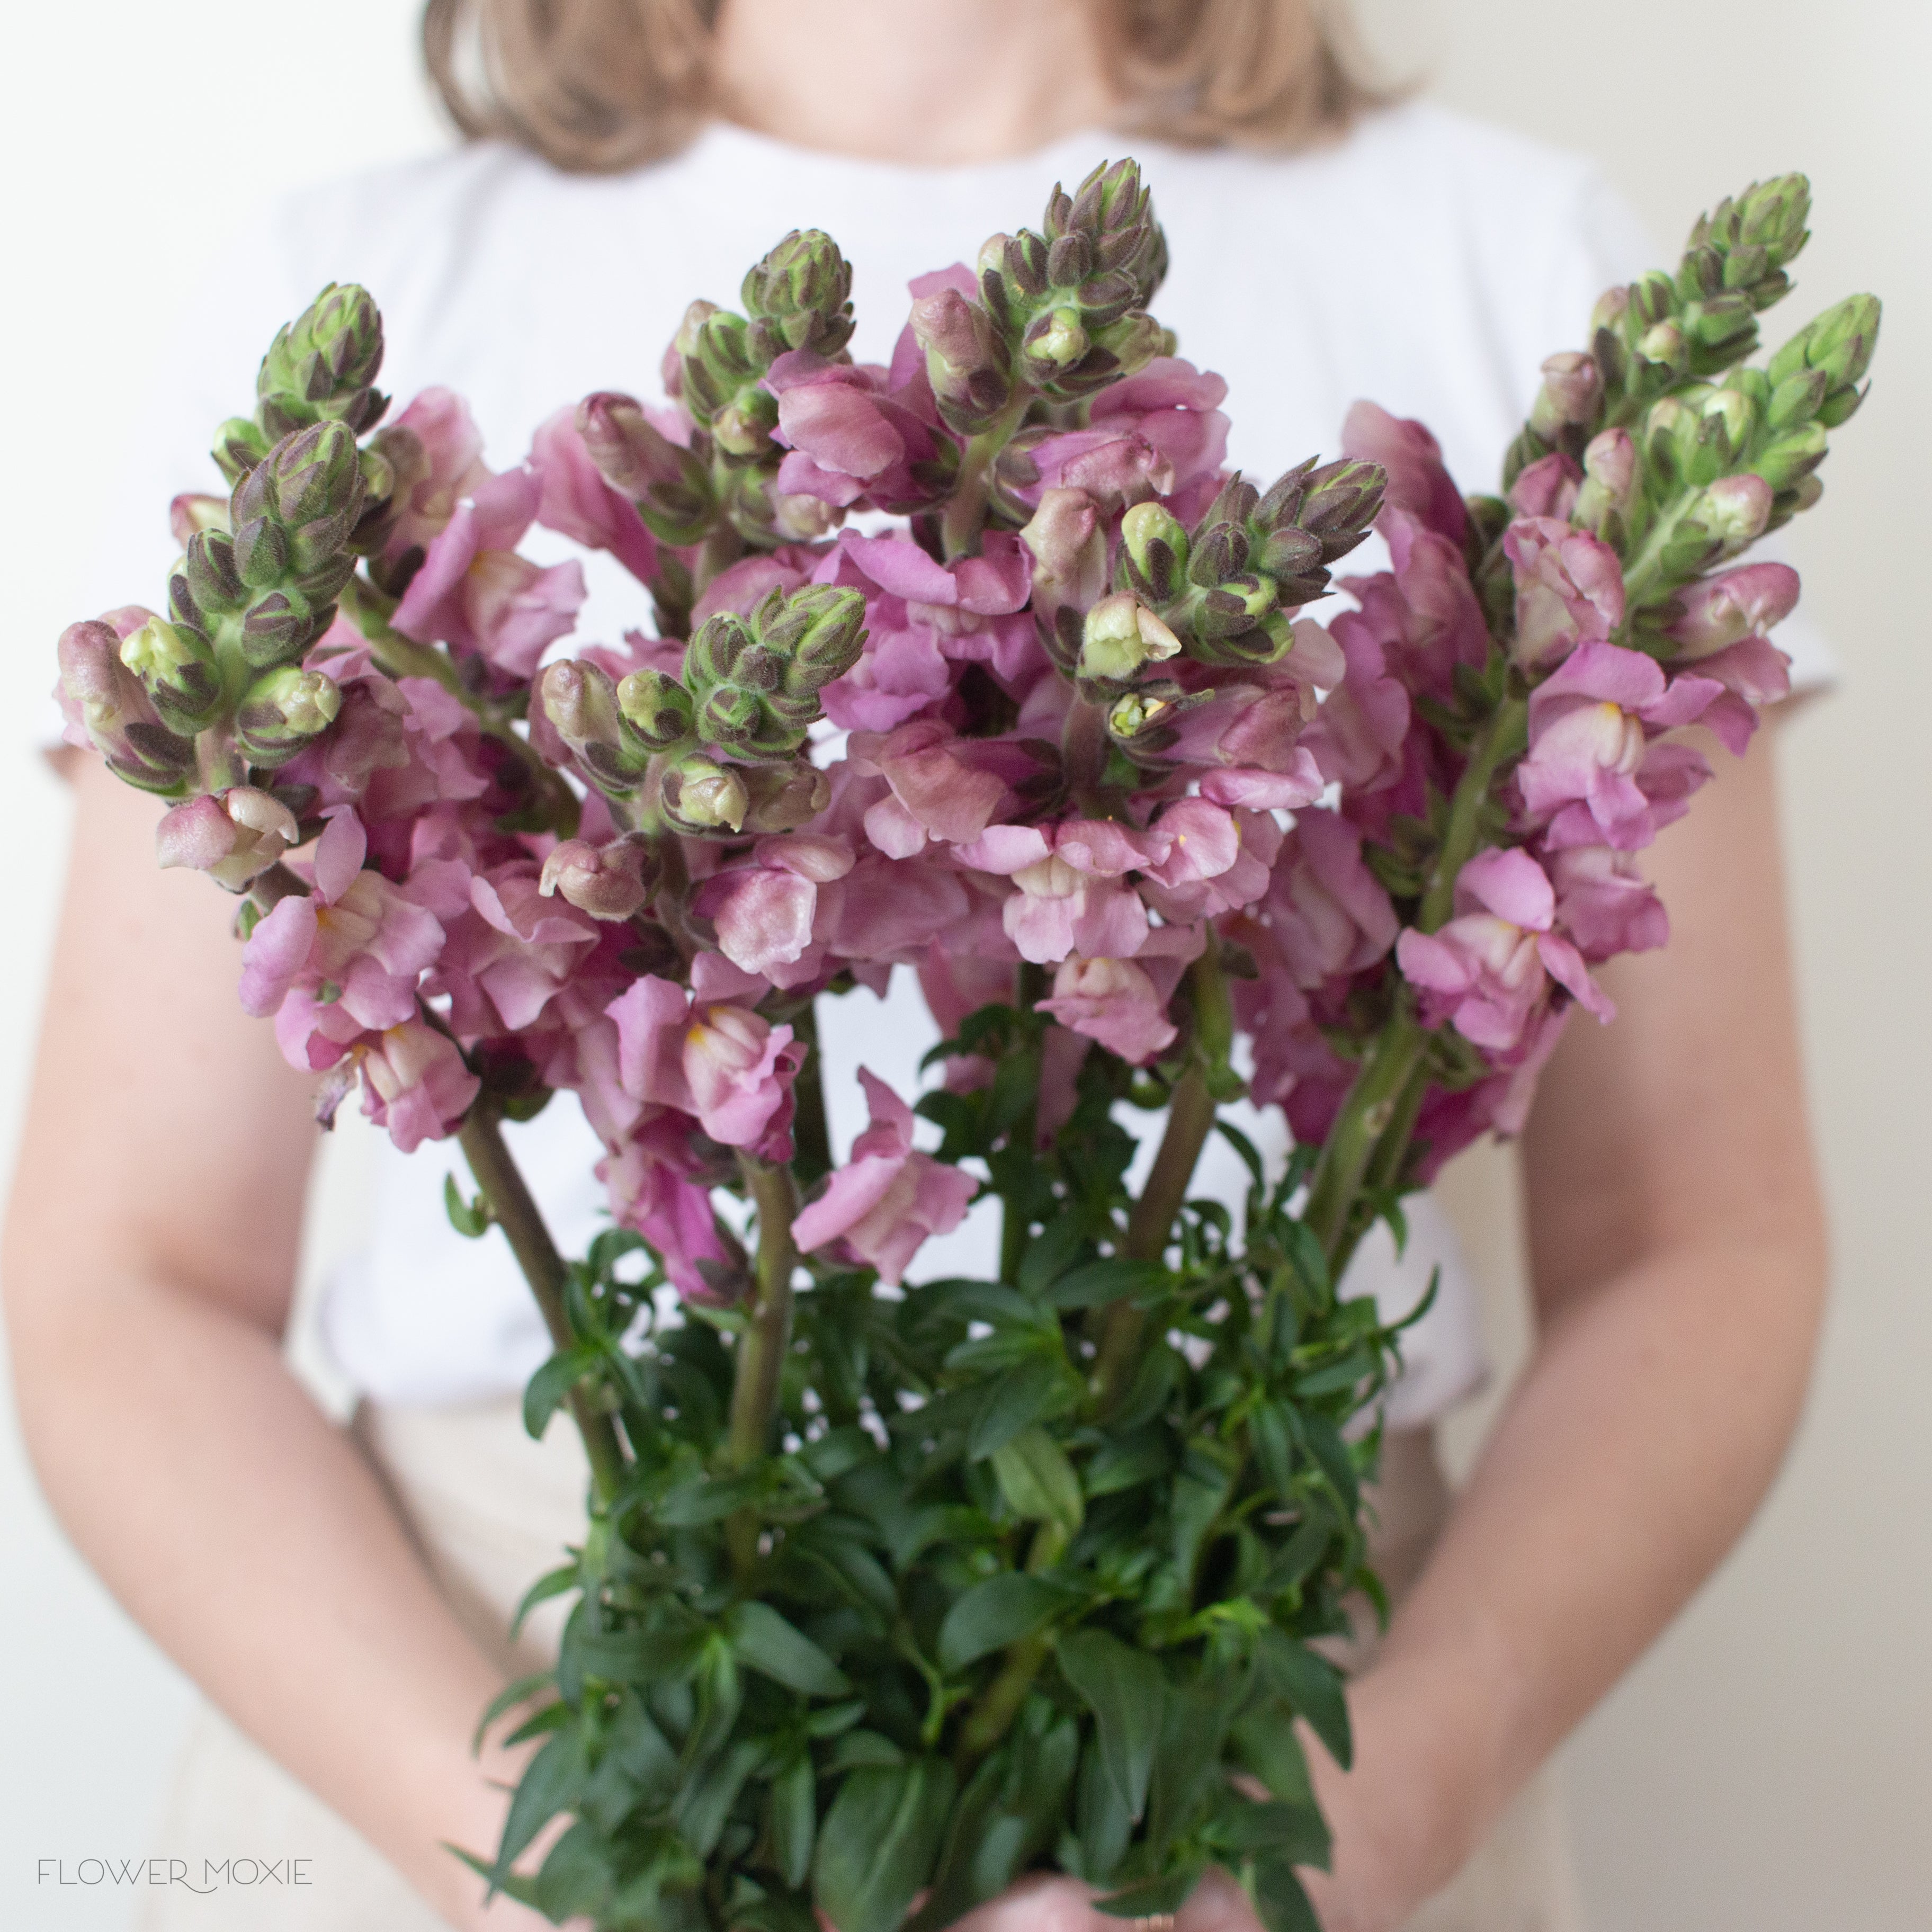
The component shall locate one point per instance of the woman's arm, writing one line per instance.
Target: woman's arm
(149, 1256)
(1677, 1252)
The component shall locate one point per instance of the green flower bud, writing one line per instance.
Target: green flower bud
(1112, 213)
(1745, 244)
(1839, 346)
(702, 796)
(1265, 643)
(803, 287)
(1731, 411)
(747, 723)
(322, 365)
(282, 711)
(820, 630)
(1792, 458)
(1235, 604)
(114, 710)
(240, 443)
(965, 360)
(177, 670)
(1121, 634)
(1664, 344)
(656, 710)
(1734, 510)
(1154, 545)
(206, 584)
(1056, 339)
(281, 625)
(580, 701)
(1342, 500)
(1142, 722)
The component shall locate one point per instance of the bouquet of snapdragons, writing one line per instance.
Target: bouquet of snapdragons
(891, 1588)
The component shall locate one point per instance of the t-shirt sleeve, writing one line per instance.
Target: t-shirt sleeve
(1612, 245)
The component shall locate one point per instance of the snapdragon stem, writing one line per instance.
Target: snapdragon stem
(966, 508)
(996, 1707)
(515, 1211)
(1507, 730)
(1369, 1114)
(1190, 1119)
(764, 1344)
(809, 1124)
(1386, 1161)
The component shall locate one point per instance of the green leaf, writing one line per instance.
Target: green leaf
(794, 1819)
(507, 1699)
(551, 1783)
(1280, 1903)
(1113, 1279)
(577, 1875)
(1047, 1256)
(703, 1498)
(858, 1749)
(992, 1614)
(1264, 1741)
(1155, 1896)
(1126, 1690)
(554, 1583)
(704, 1803)
(544, 1393)
(1312, 1685)
(1272, 1441)
(471, 1220)
(1125, 1461)
(1038, 1481)
(876, 1845)
(777, 1649)
(1029, 1393)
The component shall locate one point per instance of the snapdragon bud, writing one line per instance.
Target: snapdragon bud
(190, 513)
(1792, 458)
(1341, 503)
(1610, 478)
(283, 710)
(965, 360)
(323, 364)
(1750, 239)
(612, 882)
(310, 484)
(1838, 345)
(701, 796)
(1054, 341)
(1112, 213)
(670, 486)
(1155, 544)
(177, 670)
(1572, 392)
(1719, 611)
(782, 797)
(656, 709)
(1664, 344)
(1733, 410)
(116, 713)
(1141, 721)
(1120, 635)
(579, 700)
(819, 630)
(233, 837)
(1734, 510)
(803, 289)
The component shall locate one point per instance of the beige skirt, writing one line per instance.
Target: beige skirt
(491, 1510)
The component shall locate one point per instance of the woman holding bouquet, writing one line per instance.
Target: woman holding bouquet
(341, 1595)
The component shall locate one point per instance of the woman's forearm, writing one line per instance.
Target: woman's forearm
(246, 1534)
(1645, 1430)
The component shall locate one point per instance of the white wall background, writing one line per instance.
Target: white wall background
(1769, 1766)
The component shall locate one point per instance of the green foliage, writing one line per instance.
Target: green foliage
(990, 1623)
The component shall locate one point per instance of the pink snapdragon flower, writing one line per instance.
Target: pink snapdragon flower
(474, 592)
(881, 1207)
(1491, 971)
(857, 433)
(1071, 895)
(1324, 912)
(1592, 776)
(574, 498)
(1569, 589)
(921, 615)
(937, 791)
(513, 952)
(441, 464)
(1419, 486)
(1735, 604)
(234, 836)
(345, 961)
(1604, 904)
(415, 1083)
(652, 1187)
(717, 1060)
(764, 911)
(1116, 1002)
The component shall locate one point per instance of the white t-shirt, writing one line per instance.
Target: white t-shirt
(1426, 262)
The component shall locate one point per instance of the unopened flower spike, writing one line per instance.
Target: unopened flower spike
(801, 293)
(582, 703)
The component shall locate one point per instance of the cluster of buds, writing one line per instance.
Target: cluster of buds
(718, 747)
(1224, 594)
(797, 300)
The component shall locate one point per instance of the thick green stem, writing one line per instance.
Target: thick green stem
(809, 1130)
(996, 1706)
(1366, 1115)
(516, 1213)
(1190, 1119)
(966, 508)
(765, 1342)
(1386, 1161)
(1503, 740)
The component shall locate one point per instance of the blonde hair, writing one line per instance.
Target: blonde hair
(597, 85)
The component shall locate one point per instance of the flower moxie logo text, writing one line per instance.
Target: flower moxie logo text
(205, 1875)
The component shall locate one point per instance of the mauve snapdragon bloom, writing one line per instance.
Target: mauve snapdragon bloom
(1418, 485)
(513, 951)
(1115, 1001)
(1547, 487)
(764, 911)
(720, 1061)
(651, 1188)
(1604, 904)
(574, 498)
(1325, 912)
(936, 792)
(881, 1207)
(344, 960)
(233, 836)
(475, 594)
(439, 463)
(415, 1083)
(853, 435)
(1592, 775)
(1718, 611)
(1070, 900)
(1490, 972)
(1569, 589)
